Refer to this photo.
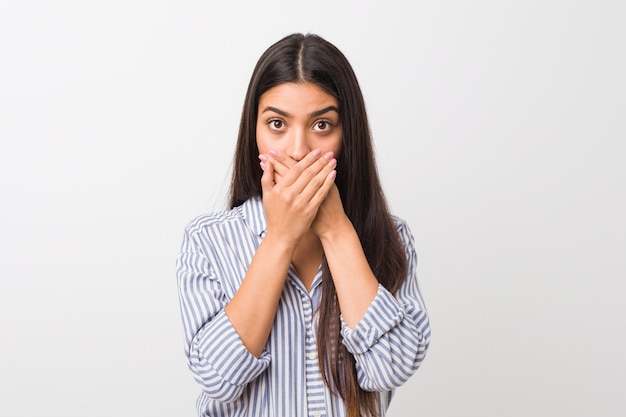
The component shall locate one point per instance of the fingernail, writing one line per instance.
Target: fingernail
(328, 155)
(263, 157)
(317, 152)
(262, 165)
(333, 163)
(274, 153)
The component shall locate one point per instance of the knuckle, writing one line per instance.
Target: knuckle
(287, 196)
(317, 181)
(299, 167)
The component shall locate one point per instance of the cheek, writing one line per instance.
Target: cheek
(265, 145)
(328, 143)
(337, 146)
(262, 142)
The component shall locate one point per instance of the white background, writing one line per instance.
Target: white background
(500, 135)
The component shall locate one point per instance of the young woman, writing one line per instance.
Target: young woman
(302, 298)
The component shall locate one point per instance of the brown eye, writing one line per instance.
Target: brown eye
(276, 124)
(323, 125)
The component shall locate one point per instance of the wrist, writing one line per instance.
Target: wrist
(280, 242)
(338, 230)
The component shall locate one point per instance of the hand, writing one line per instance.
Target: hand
(282, 163)
(330, 213)
(293, 192)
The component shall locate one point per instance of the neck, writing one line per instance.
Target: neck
(307, 258)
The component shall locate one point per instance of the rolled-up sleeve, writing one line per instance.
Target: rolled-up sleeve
(217, 357)
(391, 340)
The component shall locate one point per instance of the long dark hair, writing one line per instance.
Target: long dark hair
(309, 58)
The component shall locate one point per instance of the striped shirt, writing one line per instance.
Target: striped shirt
(388, 344)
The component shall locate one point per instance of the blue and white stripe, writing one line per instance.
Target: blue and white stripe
(389, 343)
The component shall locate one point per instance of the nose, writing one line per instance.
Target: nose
(298, 145)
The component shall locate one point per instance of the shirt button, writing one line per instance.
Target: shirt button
(312, 356)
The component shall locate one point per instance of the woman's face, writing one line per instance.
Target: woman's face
(296, 118)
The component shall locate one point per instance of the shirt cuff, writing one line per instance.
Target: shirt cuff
(381, 316)
(224, 351)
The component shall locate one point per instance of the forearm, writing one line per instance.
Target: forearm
(253, 307)
(354, 280)
(390, 342)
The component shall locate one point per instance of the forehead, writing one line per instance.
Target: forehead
(304, 96)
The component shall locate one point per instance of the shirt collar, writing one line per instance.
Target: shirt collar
(254, 215)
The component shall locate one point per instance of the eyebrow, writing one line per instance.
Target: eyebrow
(325, 110)
(314, 114)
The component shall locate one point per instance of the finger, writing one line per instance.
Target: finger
(281, 168)
(308, 187)
(295, 170)
(313, 175)
(285, 159)
(329, 180)
(267, 179)
(282, 164)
